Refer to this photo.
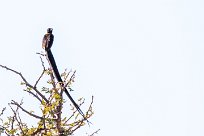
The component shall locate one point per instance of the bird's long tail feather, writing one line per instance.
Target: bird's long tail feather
(59, 79)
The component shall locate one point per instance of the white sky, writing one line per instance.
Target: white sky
(142, 60)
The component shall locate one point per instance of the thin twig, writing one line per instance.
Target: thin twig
(39, 79)
(90, 106)
(73, 112)
(70, 80)
(2, 111)
(42, 62)
(76, 125)
(21, 123)
(15, 117)
(44, 124)
(31, 114)
(35, 95)
(79, 124)
(67, 75)
(96, 132)
(42, 54)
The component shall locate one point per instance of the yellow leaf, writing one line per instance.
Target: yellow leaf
(22, 83)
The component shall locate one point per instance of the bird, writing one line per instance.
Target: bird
(47, 44)
(48, 39)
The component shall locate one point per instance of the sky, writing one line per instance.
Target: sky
(142, 61)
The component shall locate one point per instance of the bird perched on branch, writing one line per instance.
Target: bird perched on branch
(48, 39)
(47, 44)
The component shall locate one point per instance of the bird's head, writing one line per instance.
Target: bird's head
(49, 30)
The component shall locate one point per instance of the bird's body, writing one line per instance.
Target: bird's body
(48, 40)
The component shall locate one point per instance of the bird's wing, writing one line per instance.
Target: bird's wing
(45, 41)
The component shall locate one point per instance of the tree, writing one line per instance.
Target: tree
(51, 121)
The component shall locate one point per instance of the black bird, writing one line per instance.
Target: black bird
(47, 44)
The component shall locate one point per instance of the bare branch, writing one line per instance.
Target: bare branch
(31, 114)
(44, 125)
(90, 107)
(15, 118)
(46, 100)
(73, 113)
(27, 84)
(39, 79)
(70, 80)
(67, 75)
(2, 111)
(42, 54)
(20, 123)
(78, 125)
(35, 95)
(96, 132)
(42, 62)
